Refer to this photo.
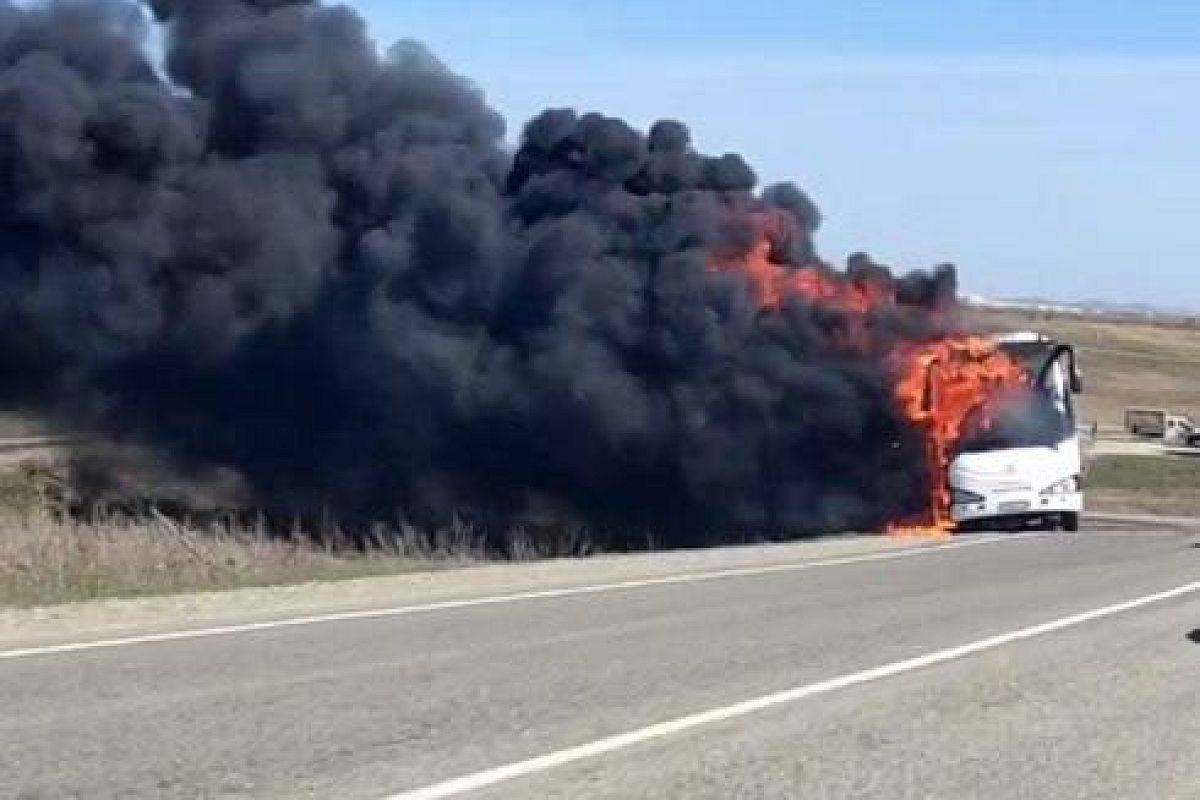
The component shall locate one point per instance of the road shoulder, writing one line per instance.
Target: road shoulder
(27, 627)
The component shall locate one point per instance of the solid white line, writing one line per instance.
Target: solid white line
(446, 605)
(491, 777)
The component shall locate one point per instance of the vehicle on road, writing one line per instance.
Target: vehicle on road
(1181, 432)
(1183, 436)
(1159, 423)
(1024, 466)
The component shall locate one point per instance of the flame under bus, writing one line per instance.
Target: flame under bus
(1023, 466)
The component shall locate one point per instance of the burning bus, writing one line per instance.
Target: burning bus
(1018, 460)
(996, 414)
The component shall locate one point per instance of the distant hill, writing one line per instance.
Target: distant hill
(1099, 308)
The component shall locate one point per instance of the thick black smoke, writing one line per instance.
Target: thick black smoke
(320, 267)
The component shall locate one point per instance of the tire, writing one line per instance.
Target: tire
(1070, 521)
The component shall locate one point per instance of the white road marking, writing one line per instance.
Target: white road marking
(446, 605)
(491, 777)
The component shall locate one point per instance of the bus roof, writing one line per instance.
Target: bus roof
(1022, 337)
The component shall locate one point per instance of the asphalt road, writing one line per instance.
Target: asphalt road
(759, 681)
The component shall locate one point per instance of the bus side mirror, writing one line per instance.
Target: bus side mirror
(1072, 368)
(1076, 376)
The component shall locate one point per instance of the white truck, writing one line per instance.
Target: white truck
(1025, 467)
(1183, 433)
(1159, 423)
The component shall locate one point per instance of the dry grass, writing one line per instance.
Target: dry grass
(47, 559)
(1145, 484)
(1123, 363)
(43, 561)
(20, 492)
(17, 425)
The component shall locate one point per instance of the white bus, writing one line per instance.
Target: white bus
(1025, 467)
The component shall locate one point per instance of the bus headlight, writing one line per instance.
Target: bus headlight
(1065, 486)
(961, 497)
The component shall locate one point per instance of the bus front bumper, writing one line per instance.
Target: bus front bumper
(1016, 506)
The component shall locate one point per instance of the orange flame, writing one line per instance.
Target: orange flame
(939, 384)
(773, 282)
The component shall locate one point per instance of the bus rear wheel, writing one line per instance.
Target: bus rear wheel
(1070, 521)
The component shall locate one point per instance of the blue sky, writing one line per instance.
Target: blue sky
(1046, 146)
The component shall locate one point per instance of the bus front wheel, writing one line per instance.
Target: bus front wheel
(1070, 521)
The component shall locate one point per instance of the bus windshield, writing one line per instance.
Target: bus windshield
(1025, 418)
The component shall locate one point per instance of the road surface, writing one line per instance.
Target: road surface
(1043, 666)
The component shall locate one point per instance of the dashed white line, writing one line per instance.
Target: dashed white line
(559, 758)
(447, 605)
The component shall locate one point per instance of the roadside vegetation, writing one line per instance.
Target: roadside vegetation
(47, 559)
(43, 562)
(1145, 484)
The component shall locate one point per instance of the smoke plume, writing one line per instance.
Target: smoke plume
(320, 267)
